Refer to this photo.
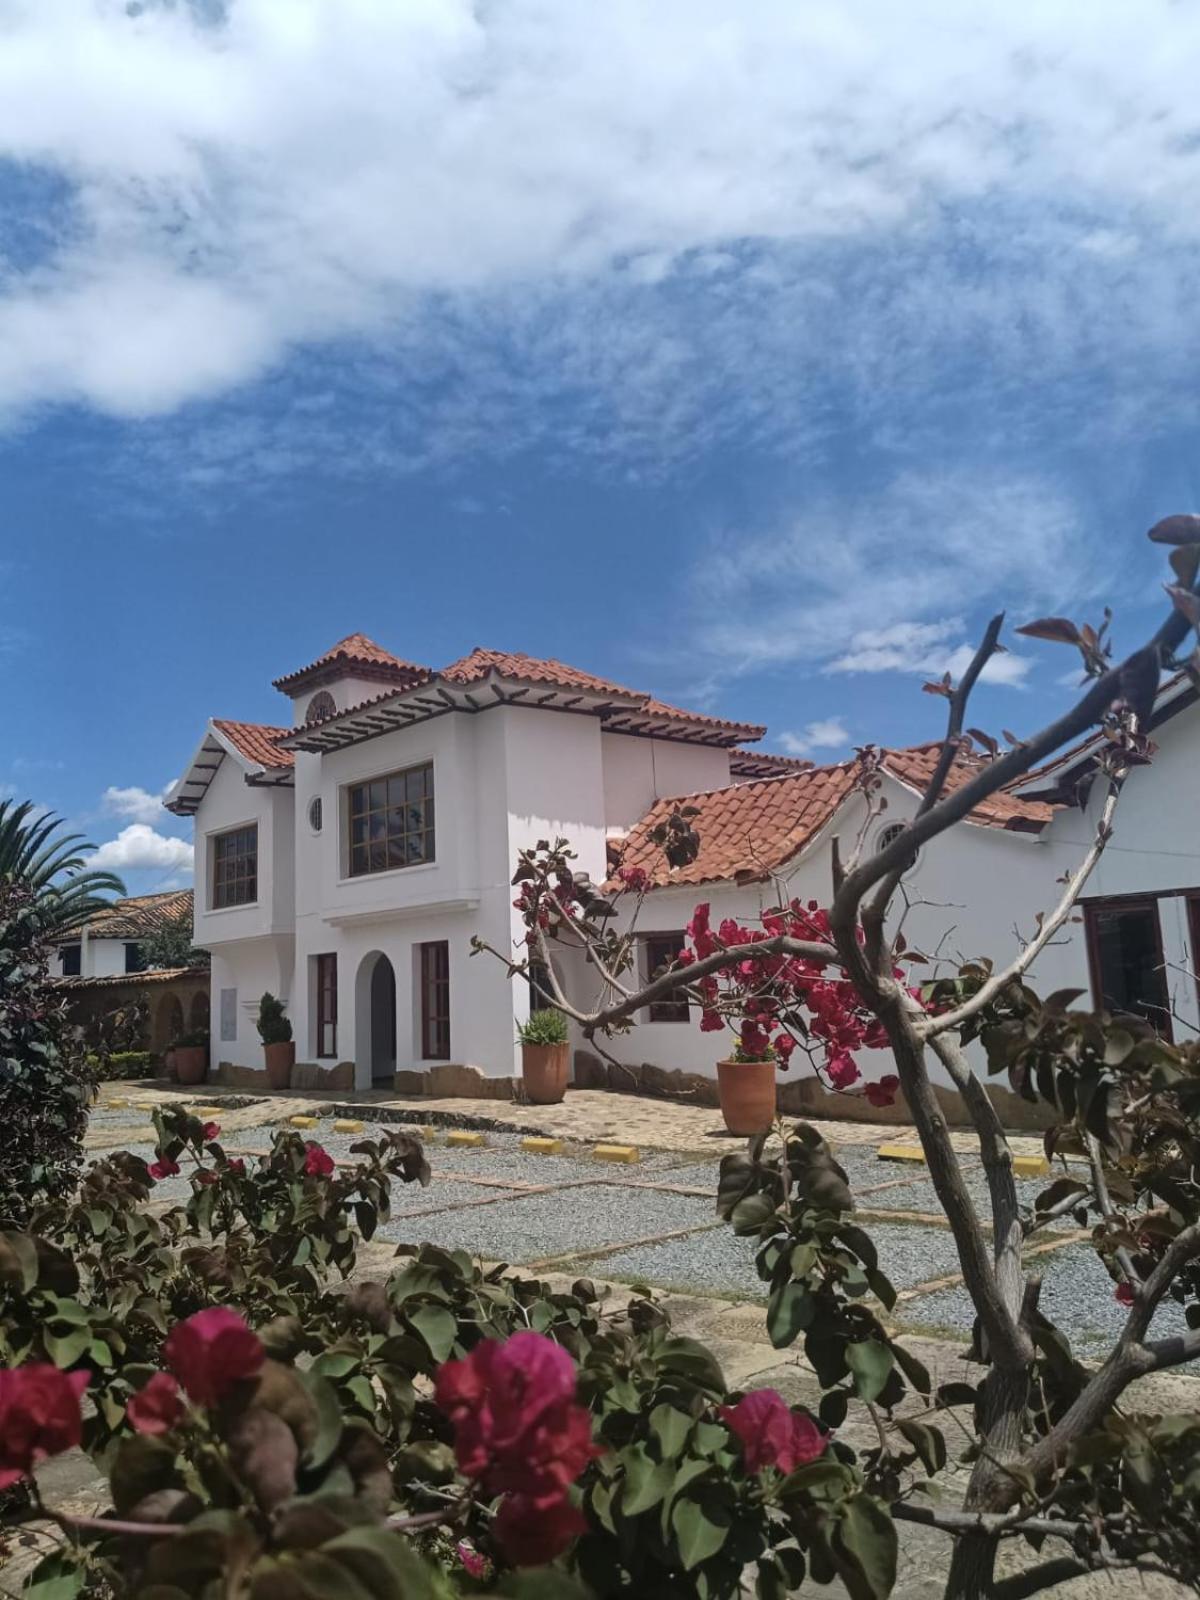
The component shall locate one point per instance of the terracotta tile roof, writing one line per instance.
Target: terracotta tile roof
(136, 916)
(914, 767)
(747, 830)
(132, 980)
(763, 764)
(256, 741)
(654, 709)
(479, 663)
(354, 653)
(751, 829)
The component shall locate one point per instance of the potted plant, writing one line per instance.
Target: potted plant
(279, 1049)
(746, 1086)
(190, 1055)
(544, 1057)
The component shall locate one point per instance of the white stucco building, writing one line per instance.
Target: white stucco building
(345, 860)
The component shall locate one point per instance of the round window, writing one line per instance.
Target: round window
(889, 835)
(314, 814)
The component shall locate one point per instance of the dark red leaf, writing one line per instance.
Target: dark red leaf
(1183, 528)
(1059, 630)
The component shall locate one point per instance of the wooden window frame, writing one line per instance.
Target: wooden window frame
(233, 882)
(1126, 902)
(327, 1006)
(664, 1010)
(434, 974)
(540, 999)
(390, 846)
(72, 954)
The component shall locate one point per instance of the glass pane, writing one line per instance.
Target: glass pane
(358, 858)
(378, 794)
(377, 824)
(1129, 963)
(416, 783)
(358, 830)
(395, 820)
(396, 856)
(358, 796)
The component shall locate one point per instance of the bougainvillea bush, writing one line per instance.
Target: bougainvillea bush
(270, 1422)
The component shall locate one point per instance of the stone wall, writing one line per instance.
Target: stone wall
(305, 1075)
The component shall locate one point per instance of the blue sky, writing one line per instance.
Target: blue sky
(749, 355)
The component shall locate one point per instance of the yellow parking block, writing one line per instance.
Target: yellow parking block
(347, 1125)
(626, 1153)
(114, 1105)
(429, 1134)
(465, 1136)
(302, 1122)
(1030, 1166)
(901, 1152)
(206, 1113)
(146, 1105)
(542, 1147)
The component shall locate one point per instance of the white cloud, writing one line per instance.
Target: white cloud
(884, 582)
(133, 802)
(245, 180)
(139, 848)
(829, 734)
(929, 648)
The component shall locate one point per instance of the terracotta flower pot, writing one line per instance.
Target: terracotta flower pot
(168, 1066)
(191, 1062)
(544, 1072)
(747, 1091)
(281, 1058)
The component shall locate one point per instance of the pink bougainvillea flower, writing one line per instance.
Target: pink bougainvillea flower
(212, 1351)
(236, 1164)
(635, 878)
(157, 1407)
(843, 1071)
(1124, 1295)
(39, 1417)
(771, 1434)
(211, 1131)
(473, 1562)
(883, 1093)
(517, 1428)
(530, 1534)
(163, 1168)
(318, 1163)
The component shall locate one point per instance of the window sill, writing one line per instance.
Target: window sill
(387, 872)
(222, 911)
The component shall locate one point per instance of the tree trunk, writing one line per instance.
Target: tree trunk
(1004, 1396)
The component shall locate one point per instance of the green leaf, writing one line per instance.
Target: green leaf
(915, 1371)
(670, 1427)
(694, 1362)
(437, 1327)
(928, 1442)
(646, 1481)
(881, 1288)
(143, 1464)
(700, 1531)
(384, 1563)
(749, 1214)
(871, 1364)
(58, 1576)
(789, 1311)
(18, 1263)
(864, 1548)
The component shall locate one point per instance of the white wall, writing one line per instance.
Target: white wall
(346, 692)
(230, 802)
(252, 968)
(637, 772)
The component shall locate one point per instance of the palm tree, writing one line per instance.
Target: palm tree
(53, 865)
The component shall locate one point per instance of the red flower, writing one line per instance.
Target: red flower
(842, 1070)
(157, 1407)
(211, 1130)
(784, 1046)
(39, 1417)
(530, 1535)
(1124, 1295)
(883, 1093)
(163, 1168)
(771, 1434)
(205, 1176)
(635, 878)
(516, 1425)
(318, 1163)
(711, 1022)
(212, 1351)
(236, 1164)
(474, 1563)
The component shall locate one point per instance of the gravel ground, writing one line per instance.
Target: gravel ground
(713, 1262)
(1077, 1295)
(530, 1227)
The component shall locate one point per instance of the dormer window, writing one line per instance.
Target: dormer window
(321, 705)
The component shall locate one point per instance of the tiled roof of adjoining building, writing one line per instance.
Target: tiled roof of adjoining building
(257, 741)
(751, 830)
(136, 916)
(132, 980)
(765, 764)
